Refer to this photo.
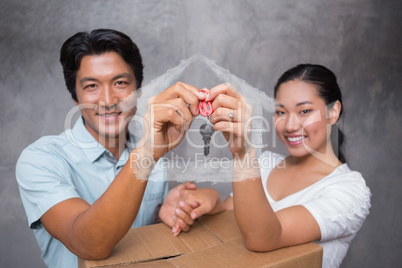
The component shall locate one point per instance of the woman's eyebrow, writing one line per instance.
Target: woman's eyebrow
(299, 104)
(303, 103)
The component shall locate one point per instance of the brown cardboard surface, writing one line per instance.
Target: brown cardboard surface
(155, 242)
(149, 264)
(213, 241)
(224, 255)
(234, 254)
(308, 255)
(223, 225)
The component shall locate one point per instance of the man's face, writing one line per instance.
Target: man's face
(101, 82)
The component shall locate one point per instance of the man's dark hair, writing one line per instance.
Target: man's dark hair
(98, 42)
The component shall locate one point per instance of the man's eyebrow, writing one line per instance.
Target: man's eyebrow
(123, 75)
(86, 79)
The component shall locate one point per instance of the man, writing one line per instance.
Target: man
(84, 189)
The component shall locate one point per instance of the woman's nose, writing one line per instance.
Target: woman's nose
(292, 123)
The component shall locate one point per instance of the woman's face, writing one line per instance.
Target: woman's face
(301, 119)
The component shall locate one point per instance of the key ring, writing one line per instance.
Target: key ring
(205, 107)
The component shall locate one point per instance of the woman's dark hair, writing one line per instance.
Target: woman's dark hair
(327, 86)
(98, 42)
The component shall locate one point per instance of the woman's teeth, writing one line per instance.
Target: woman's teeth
(295, 139)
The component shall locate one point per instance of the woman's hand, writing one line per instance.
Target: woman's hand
(232, 116)
(168, 208)
(194, 203)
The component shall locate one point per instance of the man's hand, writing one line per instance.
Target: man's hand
(167, 213)
(194, 203)
(169, 116)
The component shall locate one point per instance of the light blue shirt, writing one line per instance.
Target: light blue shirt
(73, 164)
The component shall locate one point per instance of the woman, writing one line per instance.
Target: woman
(311, 195)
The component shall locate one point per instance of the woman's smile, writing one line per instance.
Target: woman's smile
(300, 118)
(295, 139)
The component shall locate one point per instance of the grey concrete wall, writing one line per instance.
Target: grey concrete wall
(360, 40)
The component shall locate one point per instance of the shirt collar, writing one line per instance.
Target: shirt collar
(84, 140)
(79, 136)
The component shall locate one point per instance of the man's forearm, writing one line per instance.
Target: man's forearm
(96, 230)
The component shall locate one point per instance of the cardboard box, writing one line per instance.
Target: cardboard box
(213, 241)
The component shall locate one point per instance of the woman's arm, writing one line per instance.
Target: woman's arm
(261, 227)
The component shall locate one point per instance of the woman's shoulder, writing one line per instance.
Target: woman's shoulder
(345, 182)
(340, 199)
(343, 173)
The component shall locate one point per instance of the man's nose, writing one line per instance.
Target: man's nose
(108, 98)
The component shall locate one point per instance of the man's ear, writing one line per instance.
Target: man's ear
(334, 112)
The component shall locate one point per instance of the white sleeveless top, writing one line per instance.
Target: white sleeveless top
(339, 202)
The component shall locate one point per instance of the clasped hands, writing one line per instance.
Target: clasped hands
(185, 203)
(173, 111)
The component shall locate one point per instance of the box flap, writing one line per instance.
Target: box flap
(307, 255)
(213, 241)
(150, 264)
(223, 225)
(224, 255)
(234, 254)
(198, 238)
(155, 242)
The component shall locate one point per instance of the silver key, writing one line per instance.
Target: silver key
(206, 130)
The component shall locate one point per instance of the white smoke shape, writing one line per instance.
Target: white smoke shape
(199, 168)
